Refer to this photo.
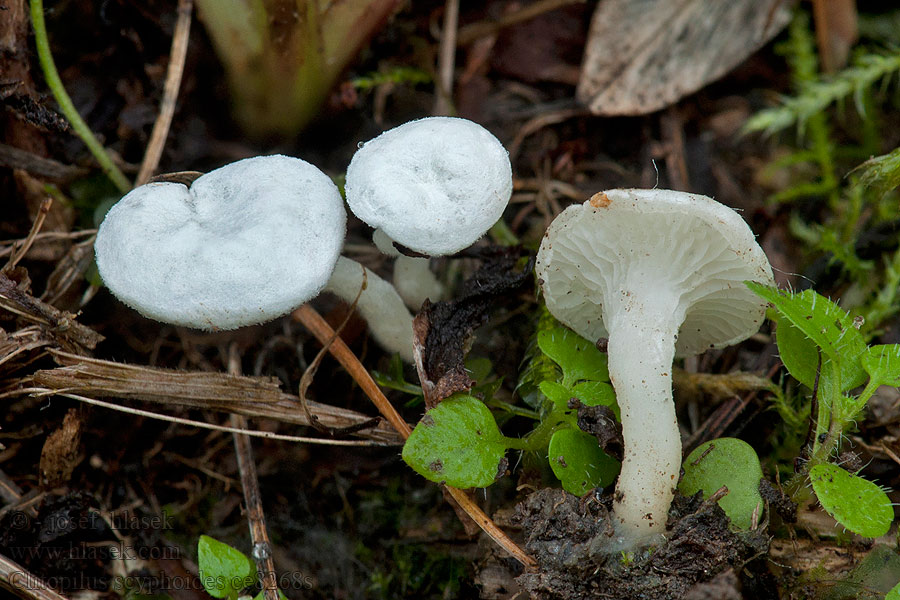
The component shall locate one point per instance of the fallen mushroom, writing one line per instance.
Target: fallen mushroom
(244, 244)
(658, 273)
(435, 186)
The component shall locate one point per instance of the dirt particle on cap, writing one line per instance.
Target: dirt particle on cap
(599, 200)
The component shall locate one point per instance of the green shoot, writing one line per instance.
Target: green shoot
(65, 102)
(282, 59)
(821, 347)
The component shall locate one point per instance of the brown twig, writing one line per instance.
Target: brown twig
(18, 580)
(256, 518)
(170, 92)
(314, 322)
(322, 331)
(20, 253)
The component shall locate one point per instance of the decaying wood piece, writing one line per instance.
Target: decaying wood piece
(60, 326)
(643, 55)
(259, 397)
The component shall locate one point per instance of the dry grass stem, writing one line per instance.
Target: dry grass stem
(256, 518)
(170, 92)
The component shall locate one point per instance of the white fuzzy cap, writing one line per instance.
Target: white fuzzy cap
(654, 242)
(434, 185)
(244, 244)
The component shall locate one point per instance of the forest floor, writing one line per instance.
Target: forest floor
(102, 498)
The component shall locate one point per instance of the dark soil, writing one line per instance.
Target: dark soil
(568, 536)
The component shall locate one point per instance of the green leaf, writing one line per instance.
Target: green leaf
(730, 462)
(224, 571)
(262, 595)
(457, 442)
(826, 324)
(894, 594)
(856, 503)
(596, 393)
(882, 363)
(590, 393)
(579, 463)
(578, 358)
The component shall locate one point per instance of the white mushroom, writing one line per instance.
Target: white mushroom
(244, 244)
(658, 273)
(435, 186)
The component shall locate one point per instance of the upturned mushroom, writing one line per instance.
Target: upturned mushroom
(659, 273)
(434, 186)
(244, 244)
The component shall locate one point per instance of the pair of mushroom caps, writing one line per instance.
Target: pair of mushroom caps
(656, 272)
(251, 241)
(659, 274)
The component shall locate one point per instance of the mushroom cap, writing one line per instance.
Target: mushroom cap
(434, 185)
(244, 244)
(686, 246)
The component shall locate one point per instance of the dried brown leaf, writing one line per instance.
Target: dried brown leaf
(643, 55)
(443, 330)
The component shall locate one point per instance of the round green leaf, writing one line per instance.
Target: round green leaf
(856, 503)
(730, 462)
(894, 594)
(578, 358)
(590, 393)
(579, 463)
(458, 443)
(224, 571)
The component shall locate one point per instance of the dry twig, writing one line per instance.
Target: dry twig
(256, 518)
(170, 92)
(314, 322)
(443, 102)
(21, 582)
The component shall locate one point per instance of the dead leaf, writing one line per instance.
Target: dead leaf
(643, 55)
(442, 330)
(60, 454)
(836, 31)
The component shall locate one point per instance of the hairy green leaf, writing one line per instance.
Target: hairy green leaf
(826, 324)
(882, 363)
(856, 503)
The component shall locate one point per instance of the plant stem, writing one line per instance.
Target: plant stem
(538, 438)
(65, 103)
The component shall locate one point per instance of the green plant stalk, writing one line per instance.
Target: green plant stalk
(51, 75)
(282, 57)
(539, 437)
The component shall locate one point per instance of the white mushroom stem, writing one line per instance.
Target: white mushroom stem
(379, 304)
(413, 278)
(642, 333)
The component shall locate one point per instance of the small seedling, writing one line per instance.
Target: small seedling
(226, 571)
(821, 347)
(730, 462)
(459, 443)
